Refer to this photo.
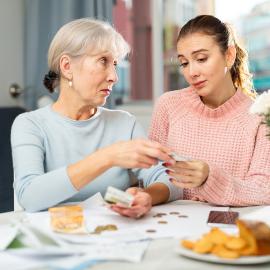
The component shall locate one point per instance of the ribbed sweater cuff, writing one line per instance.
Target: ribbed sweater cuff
(175, 192)
(215, 187)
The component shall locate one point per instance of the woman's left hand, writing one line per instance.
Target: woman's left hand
(141, 205)
(188, 174)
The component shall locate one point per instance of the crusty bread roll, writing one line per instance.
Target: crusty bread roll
(257, 236)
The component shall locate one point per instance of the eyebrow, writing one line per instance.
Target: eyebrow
(197, 51)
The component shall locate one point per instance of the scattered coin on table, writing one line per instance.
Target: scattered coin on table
(109, 227)
(162, 222)
(159, 215)
(174, 213)
(151, 231)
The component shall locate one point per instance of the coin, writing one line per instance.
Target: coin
(160, 214)
(174, 213)
(150, 231)
(110, 227)
(183, 216)
(162, 222)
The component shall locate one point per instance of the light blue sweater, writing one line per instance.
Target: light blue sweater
(44, 143)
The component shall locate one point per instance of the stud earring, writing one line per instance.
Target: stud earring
(70, 83)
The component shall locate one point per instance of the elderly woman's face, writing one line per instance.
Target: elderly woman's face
(94, 77)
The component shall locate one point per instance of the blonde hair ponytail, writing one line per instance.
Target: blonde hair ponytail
(241, 76)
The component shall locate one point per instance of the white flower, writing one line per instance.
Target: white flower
(261, 105)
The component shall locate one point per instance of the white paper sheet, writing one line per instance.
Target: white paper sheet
(181, 219)
(190, 220)
(194, 223)
(11, 262)
(8, 233)
(42, 222)
(65, 256)
(131, 252)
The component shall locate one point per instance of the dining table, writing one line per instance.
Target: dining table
(161, 254)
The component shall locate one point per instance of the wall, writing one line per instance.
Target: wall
(11, 48)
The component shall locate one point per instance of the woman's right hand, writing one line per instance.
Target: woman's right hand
(141, 205)
(137, 153)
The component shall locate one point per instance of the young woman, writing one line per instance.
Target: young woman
(74, 148)
(209, 122)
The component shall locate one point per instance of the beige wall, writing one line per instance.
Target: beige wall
(11, 48)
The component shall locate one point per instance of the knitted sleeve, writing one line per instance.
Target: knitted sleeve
(159, 125)
(224, 189)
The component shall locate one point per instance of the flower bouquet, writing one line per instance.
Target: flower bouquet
(261, 106)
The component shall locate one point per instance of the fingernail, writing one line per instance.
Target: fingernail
(167, 171)
(170, 179)
(166, 164)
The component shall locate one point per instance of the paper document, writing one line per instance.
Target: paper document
(8, 233)
(8, 261)
(176, 219)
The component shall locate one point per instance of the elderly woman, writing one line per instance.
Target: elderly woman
(74, 148)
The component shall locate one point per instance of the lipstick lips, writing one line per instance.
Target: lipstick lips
(199, 84)
(106, 91)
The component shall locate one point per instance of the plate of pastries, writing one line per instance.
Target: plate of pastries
(250, 246)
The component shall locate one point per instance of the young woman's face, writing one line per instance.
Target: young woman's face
(202, 63)
(94, 77)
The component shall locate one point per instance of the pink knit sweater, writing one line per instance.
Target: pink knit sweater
(228, 138)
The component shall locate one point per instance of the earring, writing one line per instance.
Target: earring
(70, 83)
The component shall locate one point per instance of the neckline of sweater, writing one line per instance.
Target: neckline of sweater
(232, 105)
(72, 121)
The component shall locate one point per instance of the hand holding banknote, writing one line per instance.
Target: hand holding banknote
(187, 172)
(136, 153)
(141, 204)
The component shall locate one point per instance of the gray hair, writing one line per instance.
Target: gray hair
(82, 36)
